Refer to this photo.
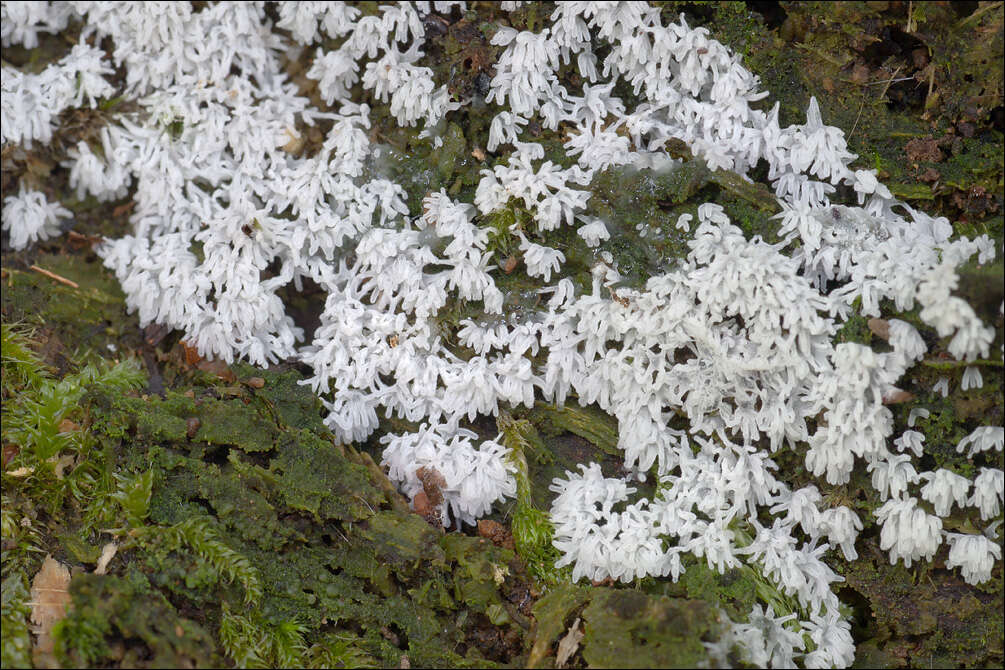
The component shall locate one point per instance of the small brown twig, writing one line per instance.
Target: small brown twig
(890, 81)
(53, 275)
(859, 116)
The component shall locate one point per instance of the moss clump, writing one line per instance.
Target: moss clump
(301, 530)
(925, 615)
(631, 629)
(67, 316)
(258, 494)
(14, 613)
(625, 628)
(129, 609)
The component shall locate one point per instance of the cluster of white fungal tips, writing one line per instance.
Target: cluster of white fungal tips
(713, 367)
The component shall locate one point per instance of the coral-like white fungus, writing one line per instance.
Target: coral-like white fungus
(710, 368)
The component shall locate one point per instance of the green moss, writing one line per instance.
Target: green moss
(532, 529)
(855, 328)
(346, 576)
(234, 424)
(590, 423)
(402, 541)
(290, 403)
(924, 618)
(315, 477)
(553, 614)
(631, 629)
(91, 313)
(481, 569)
(300, 529)
(625, 627)
(16, 650)
(129, 609)
(630, 201)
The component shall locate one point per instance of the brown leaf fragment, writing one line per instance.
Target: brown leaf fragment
(78, 241)
(49, 600)
(897, 396)
(9, 452)
(67, 426)
(433, 484)
(497, 533)
(879, 328)
(123, 209)
(420, 504)
(255, 382)
(218, 368)
(568, 645)
(191, 353)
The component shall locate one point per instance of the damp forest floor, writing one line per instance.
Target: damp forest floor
(164, 510)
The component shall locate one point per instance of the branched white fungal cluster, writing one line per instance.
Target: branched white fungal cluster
(714, 366)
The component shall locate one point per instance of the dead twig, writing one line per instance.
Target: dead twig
(978, 13)
(53, 275)
(890, 81)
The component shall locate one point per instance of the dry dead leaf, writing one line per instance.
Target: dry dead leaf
(568, 645)
(9, 452)
(61, 463)
(67, 426)
(191, 353)
(218, 368)
(897, 396)
(880, 328)
(107, 554)
(49, 599)
(433, 483)
(296, 142)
